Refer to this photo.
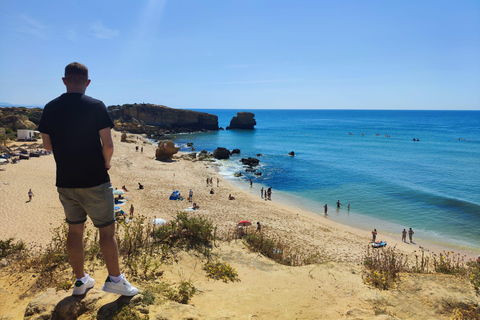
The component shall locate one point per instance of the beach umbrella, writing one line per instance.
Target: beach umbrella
(118, 192)
(159, 222)
(13, 146)
(32, 146)
(245, 223)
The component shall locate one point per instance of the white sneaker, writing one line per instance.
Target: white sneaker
(80, 287)
(122, 287)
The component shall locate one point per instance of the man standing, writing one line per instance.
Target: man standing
(410, 234)
(77, 129)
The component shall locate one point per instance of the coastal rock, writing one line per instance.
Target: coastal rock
(204, 155)
(237, 174)
(165, 150)
(243, 120)
(221, 153)
(137, 117)
(250, 161)
(14, 118)
(236, 151)
(61, 305)
(190, 156)
(291, 153)
(123, 138)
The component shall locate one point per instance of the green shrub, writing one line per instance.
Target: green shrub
(9, 248)
(127, 313)
(221, 271)
(186, 230)
(382, 267)
(183, 293)
(281, 252)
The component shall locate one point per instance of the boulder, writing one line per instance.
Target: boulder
(123, 137)
(221, 153)
(243, 120)
(165, 150)
(236, 151)
(61, 305)
(250, 161)
(291, 153)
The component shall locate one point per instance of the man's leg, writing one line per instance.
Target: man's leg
(108, 245)
(75, 249)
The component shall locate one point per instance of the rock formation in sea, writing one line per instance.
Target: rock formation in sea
(157, 119)
(243, 120)
(165, 150)
(221, 153)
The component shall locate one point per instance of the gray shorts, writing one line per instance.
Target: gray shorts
(95, 202)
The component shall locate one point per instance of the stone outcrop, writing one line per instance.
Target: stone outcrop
(165, 150)
(221, 153)
(150, 119)
(14, 118)
(243, 120)
(251, 162)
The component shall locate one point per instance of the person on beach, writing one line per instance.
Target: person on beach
(338, 204)
(124, 188)
(136, 148)
(265, 195)
(70, 123)
(230, 197)
(404, 235)
(218, 182)
(374, 235)
(190, 195)
(212, 191)
(478, 259)
(30, 195)
(269, 193)
(195, 206)
(348, 207)
(251, 182)
(259, 227)
(207, 182)
(140, 186)
(141, 149)
(410, 234)
(131, 211)
(325, 209)
(261, 192)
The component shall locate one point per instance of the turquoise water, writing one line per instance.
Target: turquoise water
(367, 159)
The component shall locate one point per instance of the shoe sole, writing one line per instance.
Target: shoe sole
(110, 290)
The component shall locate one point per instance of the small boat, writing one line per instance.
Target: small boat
(379, 244)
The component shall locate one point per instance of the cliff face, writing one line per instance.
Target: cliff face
(14, 118)
(142, 116)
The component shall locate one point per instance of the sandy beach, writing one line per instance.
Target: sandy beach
(324, 291)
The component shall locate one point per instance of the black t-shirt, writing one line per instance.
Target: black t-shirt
(73, 122)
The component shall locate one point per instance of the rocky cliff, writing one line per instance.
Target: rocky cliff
(147, 118)
(14, 118)
(243, 120)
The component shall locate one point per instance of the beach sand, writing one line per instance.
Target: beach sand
(325, 291)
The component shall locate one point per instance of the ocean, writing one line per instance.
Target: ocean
(368, 159)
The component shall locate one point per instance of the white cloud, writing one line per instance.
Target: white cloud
(102, 32)
(31, 26)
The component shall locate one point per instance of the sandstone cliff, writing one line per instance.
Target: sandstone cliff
(147, 118)
(14, 118)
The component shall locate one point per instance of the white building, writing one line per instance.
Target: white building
(25, 134)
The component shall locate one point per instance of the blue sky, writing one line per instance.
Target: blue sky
(248, 54)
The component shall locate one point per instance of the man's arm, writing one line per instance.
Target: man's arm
(47, 143)
(107, 145)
